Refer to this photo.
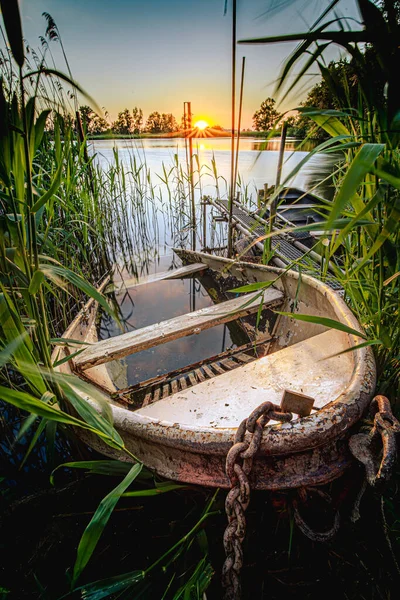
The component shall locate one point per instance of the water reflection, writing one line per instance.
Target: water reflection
(154, 302)
(156, 207)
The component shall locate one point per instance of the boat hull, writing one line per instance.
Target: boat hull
(307, 451)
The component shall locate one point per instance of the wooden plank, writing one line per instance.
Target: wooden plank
(186, 271)
(229, 364)
(208, 371)
(165, 390)
(217, 368)
(244, 358)
(178, 327)
(147, 399)
(157, 394)
(192, 378)
(199, 375)
(183, 383)
(174, 386)
(179, 273)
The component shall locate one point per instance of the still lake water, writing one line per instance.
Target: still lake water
(166, 205)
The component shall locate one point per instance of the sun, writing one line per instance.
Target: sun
(201, 125)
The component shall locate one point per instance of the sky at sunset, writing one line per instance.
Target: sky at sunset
(156, 54)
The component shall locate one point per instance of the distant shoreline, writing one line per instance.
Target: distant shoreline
(221, 134)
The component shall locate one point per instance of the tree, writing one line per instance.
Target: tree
(168, 123)
(154, 122)
(92, 122)
(124, 123)
(137, 115)
(265, 118)
(87, 115)
(98, 125)
(165, 123)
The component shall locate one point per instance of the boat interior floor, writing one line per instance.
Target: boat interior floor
(162, 386)
(312, 367)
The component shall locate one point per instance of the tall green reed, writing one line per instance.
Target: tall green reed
(363, 222)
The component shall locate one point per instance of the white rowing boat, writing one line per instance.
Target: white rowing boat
(183, 424)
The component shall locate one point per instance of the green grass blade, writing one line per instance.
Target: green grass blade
(55, 273)
(390, 226)
(49, 72)
(36, 282)
(160, 488)
(12, 23)
(252, 287)
(67, 358)
(78, 392)
(40, 428)
(362, 164)
(55, 184)
(100, 519)
(29, 403)
(106, 587)
(23, 353)
(357, 347)
(325, 322)
(114, 468)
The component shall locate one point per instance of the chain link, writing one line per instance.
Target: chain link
(378, 461)
(239, 462)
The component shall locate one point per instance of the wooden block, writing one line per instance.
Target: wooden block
(244, 358)
(192, 378)
(147, 399)
(199, 375)
(208, 371)
(297, 403)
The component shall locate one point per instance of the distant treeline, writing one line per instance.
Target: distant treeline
(266, 120)
(131, 123)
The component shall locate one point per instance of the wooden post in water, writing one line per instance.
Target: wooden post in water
(233, 182)
(204, 224)
(186, 137)
(239, 121)
(188, 115)
(191, 184)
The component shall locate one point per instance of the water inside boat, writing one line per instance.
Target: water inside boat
(158, 301)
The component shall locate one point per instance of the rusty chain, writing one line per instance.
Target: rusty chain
(302, 497)
(239, 462)
(377, 450)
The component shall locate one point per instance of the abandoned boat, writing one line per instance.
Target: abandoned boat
(183, 424)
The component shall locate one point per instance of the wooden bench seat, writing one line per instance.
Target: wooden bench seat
(179, 273)
(141, 339)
